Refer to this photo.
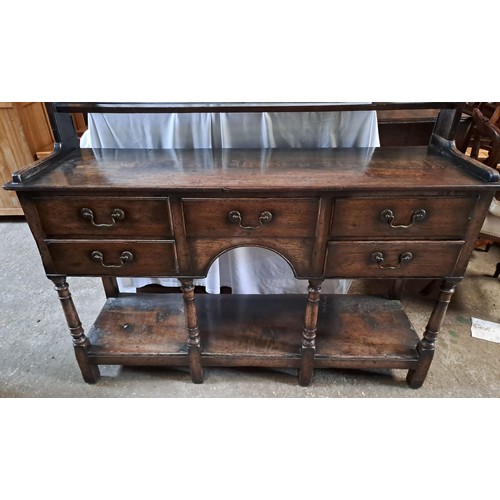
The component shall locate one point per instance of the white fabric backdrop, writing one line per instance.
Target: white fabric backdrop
(249, 269)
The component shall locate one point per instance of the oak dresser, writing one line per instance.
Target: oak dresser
(386, 213)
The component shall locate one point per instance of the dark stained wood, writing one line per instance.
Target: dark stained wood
(74, 257)
(309, 333)
(140, 328)
(237, 171)
(409, 127)
(355, 259)
(365, 329)
(81, 342)
(142, 217)
(63, 127)
(237, 107)
(110, 285)
(426, 346)
(252, 330)
(193, 331)
(355, 330)
(170, 213)
(288, 218)
(298, 252)
(445, 217)
(447, 123)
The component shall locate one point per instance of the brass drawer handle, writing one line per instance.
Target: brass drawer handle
(265, 217)
(418, 215)
(116, 214)
(378, 257)
(124, 257)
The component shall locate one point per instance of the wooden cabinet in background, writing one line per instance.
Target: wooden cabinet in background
(25, 136)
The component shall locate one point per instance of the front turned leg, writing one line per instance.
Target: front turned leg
(309, 333)
(397, 288)
(497, 271)
(426, 346)
(193, 331)
(81, 342)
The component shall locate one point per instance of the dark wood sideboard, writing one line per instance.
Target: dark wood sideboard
(386, 213)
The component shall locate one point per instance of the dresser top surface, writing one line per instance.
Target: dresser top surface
(413, 168)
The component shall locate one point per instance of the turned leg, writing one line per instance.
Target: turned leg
(110, 285)
(193, 342)
(309, 333)
(425, 347)
(397, 287)
(81, 342)
(497, 271)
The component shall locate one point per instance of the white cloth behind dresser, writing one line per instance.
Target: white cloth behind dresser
(246, 270)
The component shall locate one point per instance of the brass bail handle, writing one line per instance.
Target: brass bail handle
(124, 258)
(116, 215)
(418, 215)
(404, 258)
(264, 218)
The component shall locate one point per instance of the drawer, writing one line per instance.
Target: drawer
(108, 217)
(405, 259)
(246, 217)
(113, 258)
(419, 217)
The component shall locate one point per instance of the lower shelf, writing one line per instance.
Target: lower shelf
(354, 331)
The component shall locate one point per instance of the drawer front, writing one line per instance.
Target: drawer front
(251, 217)
(113, 258)
(419, 217)
(108, 217)
(398, 259)
(298, 252)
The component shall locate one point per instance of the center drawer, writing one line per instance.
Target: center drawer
(245, 217)
(106, 217)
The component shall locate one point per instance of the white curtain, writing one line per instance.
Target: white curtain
(248, 269)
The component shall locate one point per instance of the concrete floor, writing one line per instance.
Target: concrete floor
(37, 359)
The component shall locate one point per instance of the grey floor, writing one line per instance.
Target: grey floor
(37, 360)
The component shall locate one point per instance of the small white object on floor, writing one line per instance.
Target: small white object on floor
(495, 207)
(485, 330)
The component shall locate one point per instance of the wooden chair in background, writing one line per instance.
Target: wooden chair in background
(468, 131)
(485, 147)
